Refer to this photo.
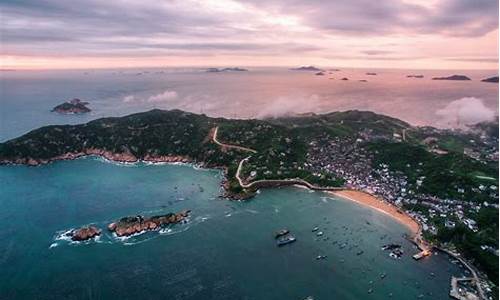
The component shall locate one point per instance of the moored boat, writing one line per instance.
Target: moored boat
(288, 239)
(281, 233)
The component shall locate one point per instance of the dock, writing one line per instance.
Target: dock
(421, 254)
(459, 293)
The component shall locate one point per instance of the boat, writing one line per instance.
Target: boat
(396, 253)
(320, 233)
(320, 257)
(281, 232)
(360, 252)
(288, 239)
(390, 247)
(315, 229)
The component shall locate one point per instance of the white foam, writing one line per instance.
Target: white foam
(64, 235)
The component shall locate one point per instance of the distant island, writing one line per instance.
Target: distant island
(74, 106)
(414, 76)
(452, 77)
(217, 70)
(446, 181)
(307, 68)
(371, 74)
(320, 73)
(491, 79)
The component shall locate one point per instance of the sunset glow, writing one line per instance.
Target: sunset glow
(448, 34)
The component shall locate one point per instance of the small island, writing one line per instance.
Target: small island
(320, 74)
(84, 233)
(131, 225)
(414, 76)
(307, 68)
(493, 79)
(452, 77)
(371, 74)
(75, 106)
(217, 70)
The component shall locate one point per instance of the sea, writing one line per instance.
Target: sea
(226, 249)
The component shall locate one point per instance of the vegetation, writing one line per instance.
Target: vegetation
(282, 147)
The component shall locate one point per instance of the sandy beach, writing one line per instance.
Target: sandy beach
(380, 205)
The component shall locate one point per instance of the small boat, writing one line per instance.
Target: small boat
(382, 276)
(315, 229)
(396, 253)
(320, 233)
(390, 247)
(320, 257)
(285, 240)
(280, 233)
(360, 252)
(370, 291)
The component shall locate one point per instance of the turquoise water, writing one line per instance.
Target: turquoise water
(225, 251)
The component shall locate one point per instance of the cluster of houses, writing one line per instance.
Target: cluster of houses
(344, 157)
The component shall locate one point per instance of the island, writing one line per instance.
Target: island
(132, 225)
(320, 74)
(441, 183)
(371, 74)
(74, 106)
(414, 76)
(491, 79)
(84, 233)
(307, 68)
(217, 70)
(452, 77)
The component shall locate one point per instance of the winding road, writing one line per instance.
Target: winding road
(266, 182)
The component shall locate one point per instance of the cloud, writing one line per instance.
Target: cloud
(296, 29)
(376, 52)
(166, 96)
(367, 17)
(464, 111)
(285, 106)
(163, 97)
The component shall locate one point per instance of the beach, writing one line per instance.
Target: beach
(380, 205)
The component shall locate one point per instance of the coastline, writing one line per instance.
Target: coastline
(380, 205)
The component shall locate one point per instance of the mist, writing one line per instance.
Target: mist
(464, 111)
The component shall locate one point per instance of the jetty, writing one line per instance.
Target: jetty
(461, 293)
(455, 290)
(421, 254)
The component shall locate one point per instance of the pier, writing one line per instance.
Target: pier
(474, 279)
(421, 254)
(460, 293)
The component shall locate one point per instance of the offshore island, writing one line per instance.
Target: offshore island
(442, 184)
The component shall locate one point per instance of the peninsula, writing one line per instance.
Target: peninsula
(445, 182)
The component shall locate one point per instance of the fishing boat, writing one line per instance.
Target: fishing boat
(281, 233)
(284, 240)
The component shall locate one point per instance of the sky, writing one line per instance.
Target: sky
(410, 34)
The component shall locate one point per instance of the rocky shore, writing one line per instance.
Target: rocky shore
(85, 233)
(131, 225)
(124, 157)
